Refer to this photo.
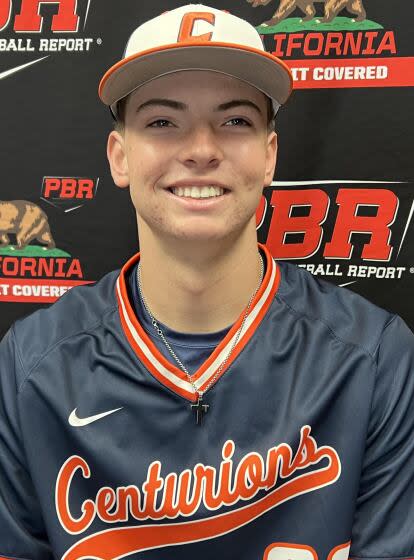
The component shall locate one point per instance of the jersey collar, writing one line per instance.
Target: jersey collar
(167, 373)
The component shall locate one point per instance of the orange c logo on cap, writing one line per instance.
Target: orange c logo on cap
(187, 26)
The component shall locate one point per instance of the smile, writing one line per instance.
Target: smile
(198, 192)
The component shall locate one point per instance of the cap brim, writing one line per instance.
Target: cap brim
(258, 68)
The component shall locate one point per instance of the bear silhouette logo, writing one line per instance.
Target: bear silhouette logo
(26, 221)
(332, 9)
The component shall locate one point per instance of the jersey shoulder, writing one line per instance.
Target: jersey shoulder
(79, 310)
(349, 316)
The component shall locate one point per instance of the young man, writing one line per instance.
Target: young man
(205, 401)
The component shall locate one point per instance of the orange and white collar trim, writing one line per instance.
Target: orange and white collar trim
(167, 373)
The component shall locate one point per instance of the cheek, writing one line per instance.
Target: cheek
(252, 165)
(140, 158)
(146, 164)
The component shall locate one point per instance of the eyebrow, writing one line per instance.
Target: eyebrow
(237, 103)
(164, 103)
(178, 105)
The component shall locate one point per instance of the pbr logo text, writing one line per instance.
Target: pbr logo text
(342, 229)
(53, 21)
(69, 193)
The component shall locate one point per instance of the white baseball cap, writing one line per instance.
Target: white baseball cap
(196, 37)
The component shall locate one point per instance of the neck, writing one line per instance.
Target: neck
(195, 288)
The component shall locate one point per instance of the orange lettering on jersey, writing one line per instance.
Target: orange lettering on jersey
(182, 494)
(187, 26)
(63, 483)
(340, 552)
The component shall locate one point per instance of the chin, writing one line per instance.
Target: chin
(207, 237)
(198, 237)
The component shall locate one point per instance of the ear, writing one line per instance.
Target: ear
(271, 157)
(118, 163)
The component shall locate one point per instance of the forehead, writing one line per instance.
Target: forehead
(195, 86)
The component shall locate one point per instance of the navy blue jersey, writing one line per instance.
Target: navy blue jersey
(306, 452)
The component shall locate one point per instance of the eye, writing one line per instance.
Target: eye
(238, 121)
(160, 123)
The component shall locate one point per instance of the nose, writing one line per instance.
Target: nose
(201, 148)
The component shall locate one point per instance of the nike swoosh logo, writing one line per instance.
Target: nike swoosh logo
(77, 422)
(21, 67)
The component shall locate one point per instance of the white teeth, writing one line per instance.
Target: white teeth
(198, 192)
(195, 192)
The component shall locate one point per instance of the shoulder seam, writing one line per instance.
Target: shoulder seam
(392, 319)
(328, 326)
(19, 355)
(48, 350)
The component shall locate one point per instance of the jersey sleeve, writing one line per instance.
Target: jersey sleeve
(22, 534)
(384, 517)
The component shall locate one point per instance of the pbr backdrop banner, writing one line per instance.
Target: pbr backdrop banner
(342, 201)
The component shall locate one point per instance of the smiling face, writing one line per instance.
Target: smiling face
(196, 152)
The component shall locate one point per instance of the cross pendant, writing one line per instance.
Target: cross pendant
(200, 409)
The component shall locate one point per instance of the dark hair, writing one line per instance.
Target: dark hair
(119, 123)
